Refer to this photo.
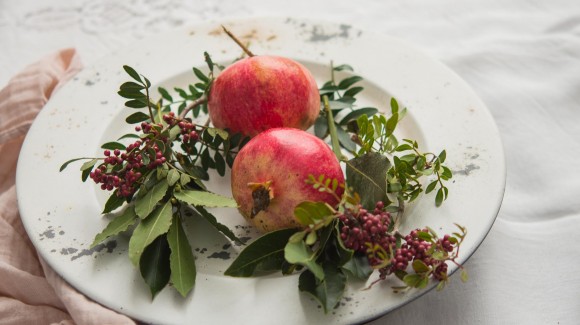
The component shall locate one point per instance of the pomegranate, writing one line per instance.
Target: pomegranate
(269, 174)
(262, 92)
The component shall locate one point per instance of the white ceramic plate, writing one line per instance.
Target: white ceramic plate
(62, 214)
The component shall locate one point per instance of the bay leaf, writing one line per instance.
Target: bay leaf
(181, 261)
(119, 224)
(148, 229)
(146, 203)
(266, 253)
(297, 252)
(367, 175)
(328, 291)
(205, 198)
(154, 265)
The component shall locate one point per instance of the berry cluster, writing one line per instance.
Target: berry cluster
(361, 228)
(122, 170)
(368, 233)
(415, 248)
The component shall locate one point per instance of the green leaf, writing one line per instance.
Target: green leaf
(63, 166)
(165, 94)
(209, 61)
(442, 156)
(412, 280)
(136, 118)
(439, 197)
(358, 267)
(113, 145)
(367, 175)
(184, 179)
(354, 115)
(220, 227)
(353, 91)
(394, 106)
(154, 265)
(132, 94)
(298, 252)
(114, 201)
(345, 140)
(129, 136)
(321, 127)
(136, 103)
(181, 261)
(131, 72)
(343, 67)
(131, 86)
(220, 163)
(419, 266)
(439, 255)
(431, 187)
(145, 204)
(119, 224)
(200, 75)
(148, 229)
(89, 164)
(335, 104)
(147, 82)
(172, 177)
(391, 124)
(425, 236)
(310, 212)
(220, 132)
(447, 174)
(346, 83)
(264, 254)
(328, 291)
(204, 198)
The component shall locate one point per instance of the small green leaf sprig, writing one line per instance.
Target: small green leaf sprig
(340, 98)
(157, 179)
(375, 135)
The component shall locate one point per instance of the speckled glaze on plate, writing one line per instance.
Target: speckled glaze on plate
(62, 215)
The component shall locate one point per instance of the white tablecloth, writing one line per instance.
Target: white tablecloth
(521, 56)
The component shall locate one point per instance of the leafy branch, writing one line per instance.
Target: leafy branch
(153, 180)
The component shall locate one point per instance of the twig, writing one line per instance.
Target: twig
(240, 44)
(201, 100)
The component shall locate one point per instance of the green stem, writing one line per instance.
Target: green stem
(149, 105)
(332, 129)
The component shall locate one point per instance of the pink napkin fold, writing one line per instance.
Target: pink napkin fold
(30, 291)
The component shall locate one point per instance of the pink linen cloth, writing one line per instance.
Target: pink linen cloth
(30, 291)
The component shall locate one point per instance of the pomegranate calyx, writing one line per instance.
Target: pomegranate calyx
(261, 194)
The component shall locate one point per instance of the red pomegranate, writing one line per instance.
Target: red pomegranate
(269, 176)
(263, 92)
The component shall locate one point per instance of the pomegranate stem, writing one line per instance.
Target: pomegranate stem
(237, 40)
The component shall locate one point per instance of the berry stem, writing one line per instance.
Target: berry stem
(149, 105)
(201, 100)
(240, 44)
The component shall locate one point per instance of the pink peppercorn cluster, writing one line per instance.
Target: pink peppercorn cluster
(122, 170)
(363, 231)
(415, 248)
